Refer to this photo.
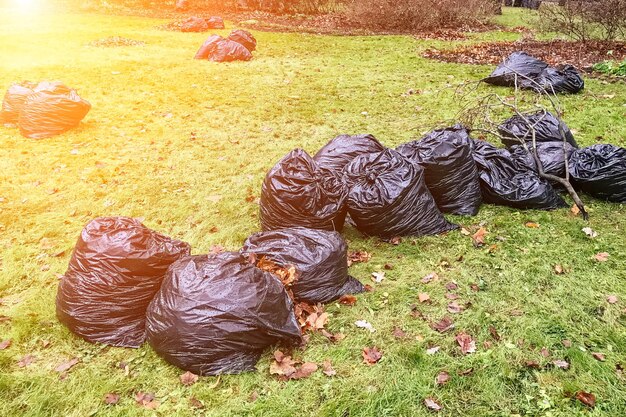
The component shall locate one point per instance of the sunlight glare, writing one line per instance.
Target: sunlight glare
(27, 6)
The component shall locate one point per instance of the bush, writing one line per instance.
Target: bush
(611, 67)
(396, 15)
(585, 20)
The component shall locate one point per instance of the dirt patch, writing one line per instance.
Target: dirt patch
(582, 55)
(114, 41)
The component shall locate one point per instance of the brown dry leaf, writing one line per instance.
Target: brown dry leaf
(532, 364)
(560, 363)
(567, 343)
(442, 378)
(443, 325)
(416, 313)
(558, 269)
(478, 238)
(474, 287)
(432, 404)
(586, 398)
(5, 344)
(398, 333)
(333, 337)
(451, 286)
(465, 372)
(196, 403)
(282, 365)
(358, 256)
(454, 308)
(532, 225)
(430, 277)
(111, 398)
(287, 274)
(188, 378)
(371, 355)
(347, 300)
(25, 361)
(146, 400)
(598, 356)
(601, 256)
(423, 297)
(388, 266)
(545, 352)
(304, 371)
(328, 369)
(466, 343)
(494, 333)
(612, 299)
(575, 210)
(465, 232)
(67, 365)
(452, 296)
(395, 240)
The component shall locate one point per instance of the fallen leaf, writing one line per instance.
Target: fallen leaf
(443, 325)
(566, 343)
(45, 343)
(601, 256)
(67, 365)
(432, 404)
(423, 297)
(589, 232)
(282, 365)
(304, 371)
(333, 337)
(586, 398)
(371, 355)
(466, 372)
(466, 343)
(365, 325)
(398, 333)
(442, 378)
(454, 308)
(532, 225)
(25, 361)
(188, 378)
(395, 240)
(598, 356)
(575, 210)
(196, 403)
(474, 287)
(451, 296)
(347, 300)
(558, 269)
(478, 238)
(5, 344)
(612, 299)
(378, 277)
(432, 350)
(388, 266)
(416, 313)
(430, 277)
(532, 364)
(560, 363)
(358, 256)
(146, 400)
(111, 398)
(465, 232)
(494, 333)
(544, 352)
(327, 368)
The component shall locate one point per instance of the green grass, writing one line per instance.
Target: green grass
(229, 124)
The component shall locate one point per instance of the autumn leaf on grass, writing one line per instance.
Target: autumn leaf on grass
(287, 274)
(432, 404)
(25, 361)
(188, 378)
(195, 403)
(111, 398)
(532, 225)
(558, 269)
(347, 300)
(494, 333)
(67, 365)
(442, 378)
(365, 325)
(423, 297)
(378, 277)
(478, 238)
(372, 355)
(598, 356)
(590, 232)
(466, 343)
(432, 350)
(358, 256)
(5, 344)
(282, 365)
(454, 308)
(398, 333)
(612, 299)
(333, 337)
(304, 371)
(560, 363)
(586, 398)
(146, 400)
(443, 325)
(601, 256)
(328, 369)
(430, 277)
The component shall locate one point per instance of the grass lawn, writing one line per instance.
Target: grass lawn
(183, 143)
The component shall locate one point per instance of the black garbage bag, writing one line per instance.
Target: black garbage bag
(215, 314)
(600, 171)
(215, 22)
(48, 113)
(547, 129)
(243, 37)
(14, 100)
(388, 197)
(297, 192)
(208, 47)
(520, 63)
(551, 154)
(116, 268)
(449, 169)
(508, 181)
(194, 24)
(341, 150)
(227, 51)
(565, 79)
(320, 258)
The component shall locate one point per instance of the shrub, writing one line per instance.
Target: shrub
(585, 20)
(420, 15)
(611, 67)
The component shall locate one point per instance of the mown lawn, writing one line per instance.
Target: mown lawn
(184, 143)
